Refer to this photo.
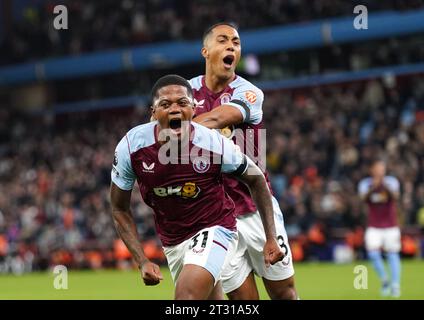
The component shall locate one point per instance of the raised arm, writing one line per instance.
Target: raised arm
(392, 187)
(127, 231)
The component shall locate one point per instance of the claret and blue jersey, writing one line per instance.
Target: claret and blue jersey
(186, 196)
(247, 98)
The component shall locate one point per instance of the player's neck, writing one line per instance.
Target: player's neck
(216, 84)
(186, 136)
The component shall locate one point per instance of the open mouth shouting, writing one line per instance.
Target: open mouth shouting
(175, 125)
(228, 61)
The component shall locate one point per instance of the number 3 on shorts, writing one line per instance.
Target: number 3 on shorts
(283, 245)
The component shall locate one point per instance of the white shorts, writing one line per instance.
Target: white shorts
(249, 254)
(211, 248)
(387, 239)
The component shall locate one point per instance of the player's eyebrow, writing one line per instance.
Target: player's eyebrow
(179, 100)
(226, 37)
(162, 100)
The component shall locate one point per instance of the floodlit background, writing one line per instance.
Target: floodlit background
(335, 97)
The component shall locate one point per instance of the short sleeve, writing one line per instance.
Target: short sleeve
(122, 173)
(392, 184)
(248, 99)
(364, 187)
(233, 160)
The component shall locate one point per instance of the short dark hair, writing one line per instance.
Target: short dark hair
(374, 161)
(168, 80)
(224, 23)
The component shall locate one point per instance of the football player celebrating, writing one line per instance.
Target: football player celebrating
(228, 102)
(194, 216)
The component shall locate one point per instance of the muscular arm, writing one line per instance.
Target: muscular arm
(127, 230)
(124, 223)
(255, 180)
(220, 117)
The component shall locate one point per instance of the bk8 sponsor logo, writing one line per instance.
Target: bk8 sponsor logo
(188, 190)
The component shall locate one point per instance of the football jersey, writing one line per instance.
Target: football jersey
(247, 98)
(186, 196)
(381, 207)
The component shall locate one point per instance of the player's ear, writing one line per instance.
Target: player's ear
(204, 52)
(152, 115)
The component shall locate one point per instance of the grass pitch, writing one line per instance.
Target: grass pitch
(320, 281)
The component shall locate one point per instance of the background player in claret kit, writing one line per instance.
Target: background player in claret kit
(194, 216)
(380, 193)
(226, 101)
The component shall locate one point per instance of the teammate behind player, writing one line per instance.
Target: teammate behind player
(194, 216)
(380, 193)
(227, 101)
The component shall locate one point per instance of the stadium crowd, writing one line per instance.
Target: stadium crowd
(265, 67)
(28, 31)
(55, 171)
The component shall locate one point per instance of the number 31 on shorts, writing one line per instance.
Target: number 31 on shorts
(199, 241)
